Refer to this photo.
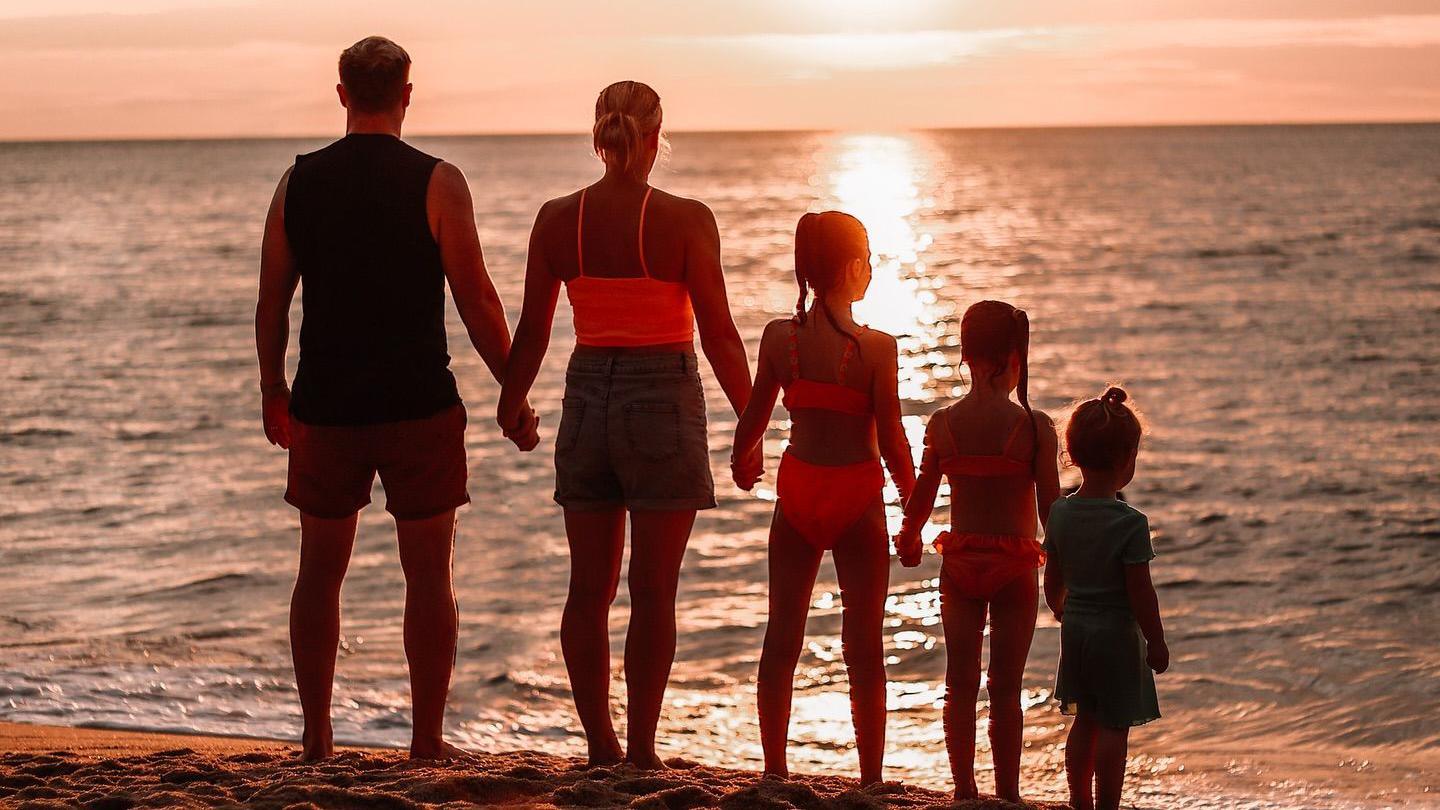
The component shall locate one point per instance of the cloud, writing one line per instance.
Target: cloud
(914, 49)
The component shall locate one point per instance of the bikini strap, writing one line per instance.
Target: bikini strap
(846, 355)
(794, 351)
(580, 235)
(643, 204)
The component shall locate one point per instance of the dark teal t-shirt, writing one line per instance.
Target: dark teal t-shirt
(1092, 540)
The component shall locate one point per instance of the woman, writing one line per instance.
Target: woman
(641, 269)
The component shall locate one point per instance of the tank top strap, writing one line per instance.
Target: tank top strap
(643, 204)
(580, 235)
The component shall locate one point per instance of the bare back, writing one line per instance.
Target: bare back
(826, 437)
(613, 233)
(993, 505)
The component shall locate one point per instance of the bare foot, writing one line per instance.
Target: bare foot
(963, 792)
(650, 762)
(437, 751)
(317, 745)
(606, 757)
(777, 773)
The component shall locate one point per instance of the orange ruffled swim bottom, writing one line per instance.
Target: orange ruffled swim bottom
(822, 502)
(979, 566)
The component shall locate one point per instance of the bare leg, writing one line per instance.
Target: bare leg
(597, 543)
(431, 621)
(325, 547)
(964, 621)
(1012, 626)
(862, 564)
(793, 565)
(657, 547)
(1111, 746)
(1080, 761)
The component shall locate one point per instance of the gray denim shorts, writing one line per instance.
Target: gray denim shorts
(633, 434)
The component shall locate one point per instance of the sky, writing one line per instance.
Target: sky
(219, 68)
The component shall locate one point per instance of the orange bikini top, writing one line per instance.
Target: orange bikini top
(629, 310)
(1001, 465)
(825, 396)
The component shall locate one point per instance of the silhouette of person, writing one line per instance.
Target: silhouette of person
(641, 269)
(374, 228)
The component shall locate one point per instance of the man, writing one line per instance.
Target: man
(375, 228)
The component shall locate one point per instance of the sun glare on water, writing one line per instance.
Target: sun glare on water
(877, 179)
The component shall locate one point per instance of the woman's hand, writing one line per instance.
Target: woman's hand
(748, 469)
(524, 430)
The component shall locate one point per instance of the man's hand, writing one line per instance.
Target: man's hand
(1157, 656)
(525, 432)
(275, 414)
(748, 470)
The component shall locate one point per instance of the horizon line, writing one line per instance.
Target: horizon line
(740, 131)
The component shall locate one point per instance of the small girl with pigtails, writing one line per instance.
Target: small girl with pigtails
(840, 381)
(1001, 461)
(1097, 584)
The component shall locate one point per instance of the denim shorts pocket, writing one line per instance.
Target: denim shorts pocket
(653, 429)
(572, 415)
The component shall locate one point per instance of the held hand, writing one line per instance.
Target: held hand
(1157, 656)
(909, 548)
(525, 433)
(275, 414)
(747, 471)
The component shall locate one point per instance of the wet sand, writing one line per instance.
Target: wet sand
(46, 766)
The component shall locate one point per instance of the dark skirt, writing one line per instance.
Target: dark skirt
(1103, 671)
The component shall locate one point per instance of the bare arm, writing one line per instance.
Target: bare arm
(719, 338)
(278, 276)
(922, 500)
(452, 221)
(1054, 587)
(1146, 606)
(1047, 465)
(750, 431)
(532, 334)
(889, 432)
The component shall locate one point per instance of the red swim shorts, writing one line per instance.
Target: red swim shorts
(421, 464)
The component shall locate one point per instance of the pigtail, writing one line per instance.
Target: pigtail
(1022, 389)
(803, 260)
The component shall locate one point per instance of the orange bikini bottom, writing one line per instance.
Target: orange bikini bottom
(979, 566)
(822, 502)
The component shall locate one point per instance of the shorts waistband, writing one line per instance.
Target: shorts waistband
(637, 364)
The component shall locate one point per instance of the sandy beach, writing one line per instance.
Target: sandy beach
(47, 766)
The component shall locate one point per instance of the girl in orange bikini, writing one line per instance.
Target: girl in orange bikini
(1000, 458)
(840, 384)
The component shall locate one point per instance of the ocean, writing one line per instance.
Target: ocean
(1270, 296)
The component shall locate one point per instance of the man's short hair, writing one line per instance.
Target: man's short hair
(374, 72)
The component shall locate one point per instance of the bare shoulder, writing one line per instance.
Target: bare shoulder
(938, 418)
(778, 329)
(882, 343)
(556, 211)
(1043, 420)
(684, 209)
(448, 179)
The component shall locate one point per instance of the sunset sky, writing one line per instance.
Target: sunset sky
(174, 68)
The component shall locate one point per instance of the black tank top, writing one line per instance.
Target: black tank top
(372, 339)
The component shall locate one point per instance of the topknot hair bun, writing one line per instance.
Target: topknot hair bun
(1114, 396)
